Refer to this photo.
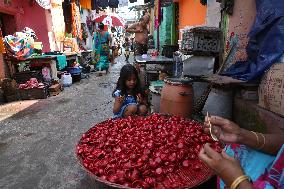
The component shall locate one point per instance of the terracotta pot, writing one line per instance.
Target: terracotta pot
(177, 97)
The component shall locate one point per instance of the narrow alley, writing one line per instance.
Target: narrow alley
(38, 144)
(141, 94)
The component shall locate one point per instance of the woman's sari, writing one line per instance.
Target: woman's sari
(266, 171)
(102, 50)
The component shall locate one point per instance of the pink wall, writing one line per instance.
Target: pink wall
(29, 15)
(35, 18)
(15, 9)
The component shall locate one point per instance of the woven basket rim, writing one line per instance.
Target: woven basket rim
(98, 179)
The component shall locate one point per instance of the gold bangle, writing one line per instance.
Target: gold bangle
(264, 141)
(238, 180)
(257, 138)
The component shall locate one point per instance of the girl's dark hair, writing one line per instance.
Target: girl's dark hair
(126, 72)
(101, 26)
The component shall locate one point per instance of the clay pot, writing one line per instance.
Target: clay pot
(177, 97)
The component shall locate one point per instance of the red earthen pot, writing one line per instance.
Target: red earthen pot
(177, 97)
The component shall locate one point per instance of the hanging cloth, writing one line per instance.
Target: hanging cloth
(157, 13)
(67, 2)
(103, 3)
(76, 21)
(58, 24)
(113, 3)
(67, 13)
(94, 4)
(2, 48)
(86, 4)
(77, 2)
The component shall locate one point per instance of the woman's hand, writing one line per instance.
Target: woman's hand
(226, 131)
(225, 166)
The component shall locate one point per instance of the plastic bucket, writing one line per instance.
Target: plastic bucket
(66, 79)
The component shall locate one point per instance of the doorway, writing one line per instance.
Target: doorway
(7, 24)
(8, 27)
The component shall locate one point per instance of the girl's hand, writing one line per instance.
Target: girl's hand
(118, 103)
(121, 99)
(139, 98)
(225, 166)
(226, 131)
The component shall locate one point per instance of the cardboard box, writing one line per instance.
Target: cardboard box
(271, 89)
(55, 89)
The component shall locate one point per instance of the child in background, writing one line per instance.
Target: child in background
(132, 44)
(129, 97)
(119, 49)
(127, 46)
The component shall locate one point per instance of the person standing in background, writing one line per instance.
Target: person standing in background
(141, 35)
(101, 46)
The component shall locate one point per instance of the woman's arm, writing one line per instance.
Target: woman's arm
(229, 132)
(268, 143)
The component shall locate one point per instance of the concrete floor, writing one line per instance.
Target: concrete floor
(38, 138)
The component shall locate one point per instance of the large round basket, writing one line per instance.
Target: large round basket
(190, 177)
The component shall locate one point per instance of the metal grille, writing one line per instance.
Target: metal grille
(204, 40)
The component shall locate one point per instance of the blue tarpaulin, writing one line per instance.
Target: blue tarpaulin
(266, 42)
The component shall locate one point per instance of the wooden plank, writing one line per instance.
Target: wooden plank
(153, 60)
(222, 80)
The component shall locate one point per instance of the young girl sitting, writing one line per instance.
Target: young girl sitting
(129, 97)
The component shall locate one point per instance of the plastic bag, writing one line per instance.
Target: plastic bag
(266, 41)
